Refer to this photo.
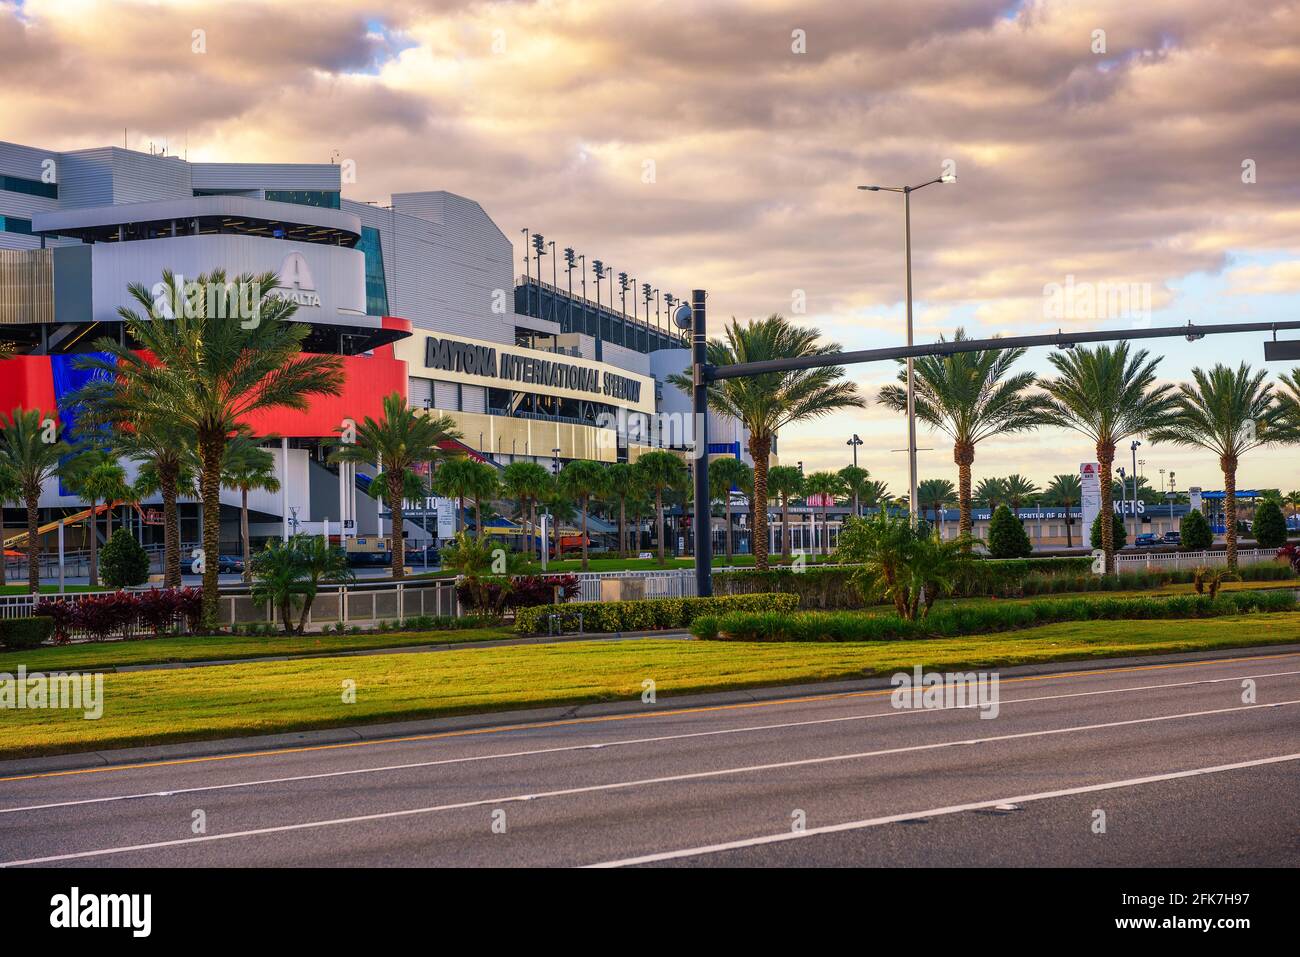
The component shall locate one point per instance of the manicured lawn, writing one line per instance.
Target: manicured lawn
(219, 647)
(598, 564)
(266, 697)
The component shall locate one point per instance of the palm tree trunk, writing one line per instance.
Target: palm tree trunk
(33, 545)
(171, 528)
(1069, 541)
(1229, 465)
(659, 522)
(399, 523)
(243, 534)
(963, 454)
(211, 448)
(478, 517)
(727, 517)
(826, 529)
(585, 502)
(759, 450)
(93, 525)
(622, 527)
(1105, 462)
(302, 618)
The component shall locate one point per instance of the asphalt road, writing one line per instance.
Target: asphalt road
(1184, 772)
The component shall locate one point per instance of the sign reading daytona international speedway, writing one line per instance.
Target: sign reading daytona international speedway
(470, 359)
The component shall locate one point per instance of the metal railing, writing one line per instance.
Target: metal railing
(1211, 558)
(630, 585)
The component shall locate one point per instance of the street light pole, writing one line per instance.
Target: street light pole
(907, 192)
(1134, 449)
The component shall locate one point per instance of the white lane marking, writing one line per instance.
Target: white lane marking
(611, 744)
(936, 812)
(630, 741)
(624, 785)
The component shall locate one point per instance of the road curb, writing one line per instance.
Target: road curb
(534, 716)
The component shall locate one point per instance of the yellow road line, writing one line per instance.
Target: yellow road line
(599, 719)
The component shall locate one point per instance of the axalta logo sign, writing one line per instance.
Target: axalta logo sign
(296, 282)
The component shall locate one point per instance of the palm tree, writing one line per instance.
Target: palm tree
(1018, 490)
(1288, 393)
(582, 480)
(658, 473)
(935, 494)
(1228, 412)
(95, 477)
(875, 494)
(289, 573)
(726, 474)
(1065, 490)
(526, 483)
(991, 492)
(827, 485)
(855, 482)
(785, 482)
(398, 442)
(766, 403)
(209, 373)
(1106, 393)
(970, 396)
(248, 467)
(462, 478)
(619, 487)
(168, 464)
(30, 451)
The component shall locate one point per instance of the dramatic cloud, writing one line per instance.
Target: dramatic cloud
(719, 144)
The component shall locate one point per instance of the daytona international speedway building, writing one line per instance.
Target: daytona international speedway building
(421, 297)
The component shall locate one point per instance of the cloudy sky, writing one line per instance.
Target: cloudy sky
(1153, 147)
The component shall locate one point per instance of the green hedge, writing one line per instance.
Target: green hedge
(25, 632)
(646, 614)
(959, 620)
(1134, 580)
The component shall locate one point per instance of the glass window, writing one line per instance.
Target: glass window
(12, 224)
(32, 187)
(328, 199)
(376, 287)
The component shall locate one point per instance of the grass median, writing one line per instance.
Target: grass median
(268, 697)
(198, 648)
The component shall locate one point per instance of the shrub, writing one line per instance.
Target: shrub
(1270, 526)
(123, 563)
(1007, 535)
(960, 620)
(101, 616)
(18, 633)
(157, 609)
(60, 613)
(1119, 536)
(817, 587)
(1194, 530)
(645, 614)
(1289, 554)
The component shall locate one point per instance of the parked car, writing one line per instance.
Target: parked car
(1173, 538)
(230, 564)
(1146, 540)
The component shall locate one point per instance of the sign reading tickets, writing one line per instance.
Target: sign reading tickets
(468, 358)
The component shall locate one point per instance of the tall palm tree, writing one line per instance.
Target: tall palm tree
(1228, 412)
(855, 482)
(1288, 393)
(660, 473)
(247, 467)
(168, 466)
(785, 482)
(935, 494)
(827, 485)
(767, 403)
(1019, 490)
(991, 492)
(30, 450)
(209, 373)
(875, 494)
(526, 483)
(582, 480)
(1065, 490)
(970, 396)
(725, 474)
(619, 487)
(1108, 393)
(95, 477)
(398, 442)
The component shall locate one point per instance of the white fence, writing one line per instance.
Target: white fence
(1212, 558)
(625, 586)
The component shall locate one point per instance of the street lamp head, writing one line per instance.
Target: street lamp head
(874, 189)
(682, 316)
